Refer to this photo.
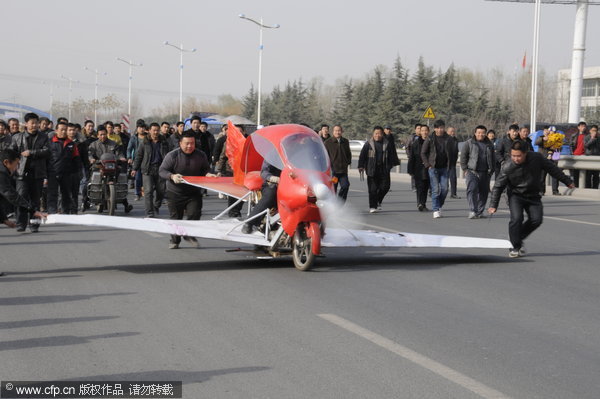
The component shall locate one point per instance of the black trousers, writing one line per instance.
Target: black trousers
(154, 190)
(519, 228)
(453, 179)
(268, 200)
(58, 184)
(31, 190)
(422, 187)
(378, 186)
(177, 205)
(592, 179)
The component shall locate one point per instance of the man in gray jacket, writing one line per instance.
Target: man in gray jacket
(477, 160)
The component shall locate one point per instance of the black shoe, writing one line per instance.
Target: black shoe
(421, 207)
(20, 229)
(34, 229)
(247, 228)
(234, 215)
(454, 196)
(128, 208)
(156, 210)
(556, 193)
(1, 274)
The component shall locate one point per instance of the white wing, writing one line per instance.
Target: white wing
(370, 238)
(228, 230)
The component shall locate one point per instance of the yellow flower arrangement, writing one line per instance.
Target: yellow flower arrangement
(555, 141)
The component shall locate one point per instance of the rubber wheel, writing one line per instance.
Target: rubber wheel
(112, 199)
(302, 251)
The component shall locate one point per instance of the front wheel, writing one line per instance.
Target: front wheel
(112, 199)
(302, 253)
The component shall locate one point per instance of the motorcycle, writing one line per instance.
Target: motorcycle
(107, 185)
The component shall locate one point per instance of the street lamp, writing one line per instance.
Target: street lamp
(181, 51)
(131, 65)
(260, 50)
(96, 72)
(71, 80)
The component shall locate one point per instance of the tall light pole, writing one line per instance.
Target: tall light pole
(181, 51)
(261, 26)
(131, 65)
(577, 61)
(71, 80)
(96, 73)
(534, 66)
(577, 58)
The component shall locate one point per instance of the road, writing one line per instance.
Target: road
(82, 303)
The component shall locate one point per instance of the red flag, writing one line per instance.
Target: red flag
(524, 62)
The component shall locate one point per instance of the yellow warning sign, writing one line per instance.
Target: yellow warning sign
(429, 113)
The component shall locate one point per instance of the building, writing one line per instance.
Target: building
(590, 95)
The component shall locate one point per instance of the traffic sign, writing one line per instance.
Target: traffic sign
(429, 113)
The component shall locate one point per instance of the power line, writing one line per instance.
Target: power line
(60, 83)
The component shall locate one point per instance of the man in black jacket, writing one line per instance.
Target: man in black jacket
(148, 158)
(503, 148)
(376, 159)
(438, 154)
(522, 174)
(416, 169)
(181, 197)
(9, 162)
(338, 148)
(33, 147)
(64, 161)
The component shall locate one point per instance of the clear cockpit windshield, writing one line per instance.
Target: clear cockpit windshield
(267, 150)
(305, 151)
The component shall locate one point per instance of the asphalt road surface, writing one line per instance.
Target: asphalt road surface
(80, 303)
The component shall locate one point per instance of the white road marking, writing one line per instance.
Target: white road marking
(155, 235)
(443, 371)
(562, 219)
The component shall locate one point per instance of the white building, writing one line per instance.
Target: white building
(590, 95)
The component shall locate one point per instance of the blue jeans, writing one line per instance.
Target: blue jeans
(438, 179)
(344, 185)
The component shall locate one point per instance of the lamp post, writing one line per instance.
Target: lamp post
(261, 26)
(181, 51)
(71, 80)
(131, 65)
(96, 73)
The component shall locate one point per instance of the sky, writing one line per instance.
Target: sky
(330, 39)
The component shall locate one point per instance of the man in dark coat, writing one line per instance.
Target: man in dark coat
(416, 169)
(184, 198)
(522, 174)
(438, 154)
(33, 147)
(376, 160)
(64, 161)
(338, 148)
(148, 158)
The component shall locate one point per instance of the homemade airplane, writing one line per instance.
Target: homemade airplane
(305, 202)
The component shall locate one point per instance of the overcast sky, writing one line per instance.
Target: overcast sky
(327, 38)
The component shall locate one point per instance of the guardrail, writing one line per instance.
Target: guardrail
(581, 162)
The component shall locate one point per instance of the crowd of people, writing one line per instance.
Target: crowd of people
(46, 168)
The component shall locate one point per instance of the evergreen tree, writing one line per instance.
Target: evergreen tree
(250, 103)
